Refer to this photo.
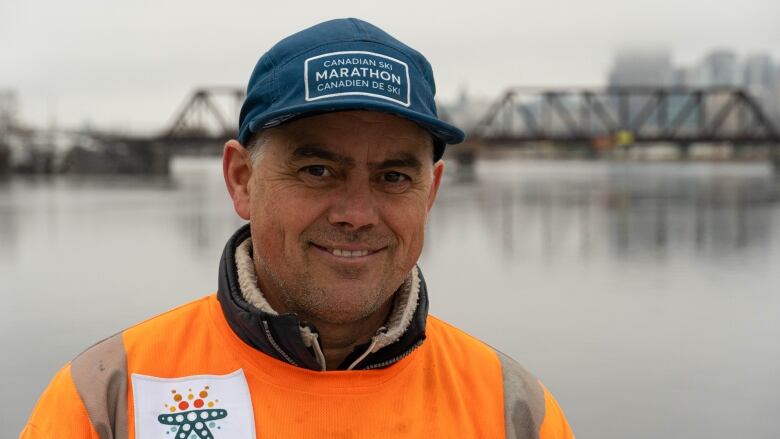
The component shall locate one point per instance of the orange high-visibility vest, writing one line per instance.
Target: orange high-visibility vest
(186, 374)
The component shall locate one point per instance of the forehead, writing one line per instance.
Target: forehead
(368, 135)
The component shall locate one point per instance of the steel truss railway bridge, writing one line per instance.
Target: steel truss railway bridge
(589, 119)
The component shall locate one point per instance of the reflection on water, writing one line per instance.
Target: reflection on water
(645, 296)
(633, 210)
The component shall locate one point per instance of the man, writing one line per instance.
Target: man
(319, 327)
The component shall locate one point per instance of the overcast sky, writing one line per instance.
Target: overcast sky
(130, 64)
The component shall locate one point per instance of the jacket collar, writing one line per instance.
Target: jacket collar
(285, 338)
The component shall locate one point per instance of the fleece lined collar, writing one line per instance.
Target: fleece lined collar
(284, 337)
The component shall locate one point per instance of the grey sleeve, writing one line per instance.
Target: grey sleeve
(100, 377)
(523, 400)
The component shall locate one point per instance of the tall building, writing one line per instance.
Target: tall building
(651, 67)
(684, 77)
(8, 109)
(758, 78)
(758, 71)
(774, 97)
(638, 67)
(719, 68)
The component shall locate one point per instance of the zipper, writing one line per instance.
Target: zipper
(395, 359)
(276, 346)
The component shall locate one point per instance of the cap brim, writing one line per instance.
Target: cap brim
(445, 132)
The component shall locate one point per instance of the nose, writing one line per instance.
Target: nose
(355, 206)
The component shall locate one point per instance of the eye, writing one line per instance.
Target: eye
(316, 175)
(316, 171)
(395, 177)
(395, 182)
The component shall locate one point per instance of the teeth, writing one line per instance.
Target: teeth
(348, 254)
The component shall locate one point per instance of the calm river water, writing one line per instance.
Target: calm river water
(645, 296)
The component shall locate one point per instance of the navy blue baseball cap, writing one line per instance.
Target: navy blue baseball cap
(344, 64)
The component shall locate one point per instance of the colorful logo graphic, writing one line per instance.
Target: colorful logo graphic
(196, 422)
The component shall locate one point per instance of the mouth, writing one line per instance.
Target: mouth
(347, 253)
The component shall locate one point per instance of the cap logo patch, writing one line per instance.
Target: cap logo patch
(357, 73)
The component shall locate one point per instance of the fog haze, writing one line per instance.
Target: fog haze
(130, 64)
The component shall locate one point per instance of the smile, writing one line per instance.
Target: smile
(346, 253)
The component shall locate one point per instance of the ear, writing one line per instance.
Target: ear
(237, 170)
(438, 171)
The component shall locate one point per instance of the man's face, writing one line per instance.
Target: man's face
(338, 204)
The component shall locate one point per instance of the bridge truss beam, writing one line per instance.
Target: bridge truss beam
(202, 116)
(626, 115)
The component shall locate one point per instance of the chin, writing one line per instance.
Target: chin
(344, 305)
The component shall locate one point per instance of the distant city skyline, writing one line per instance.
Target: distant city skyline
(129, 65)
(718, 67)
(757, 73)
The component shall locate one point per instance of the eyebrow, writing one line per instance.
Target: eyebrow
(404, 160)
(305, 152)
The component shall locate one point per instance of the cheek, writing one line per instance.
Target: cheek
(408, 224)
(280, 217)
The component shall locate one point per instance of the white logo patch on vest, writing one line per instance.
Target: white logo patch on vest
(357, 73)
(199, 406)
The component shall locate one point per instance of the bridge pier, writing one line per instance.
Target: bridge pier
(774, 158)
(158, 160)
(466, 166)
(5, 158)
(685, 151)
(465, 156)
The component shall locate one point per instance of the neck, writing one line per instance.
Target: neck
(339, 339)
